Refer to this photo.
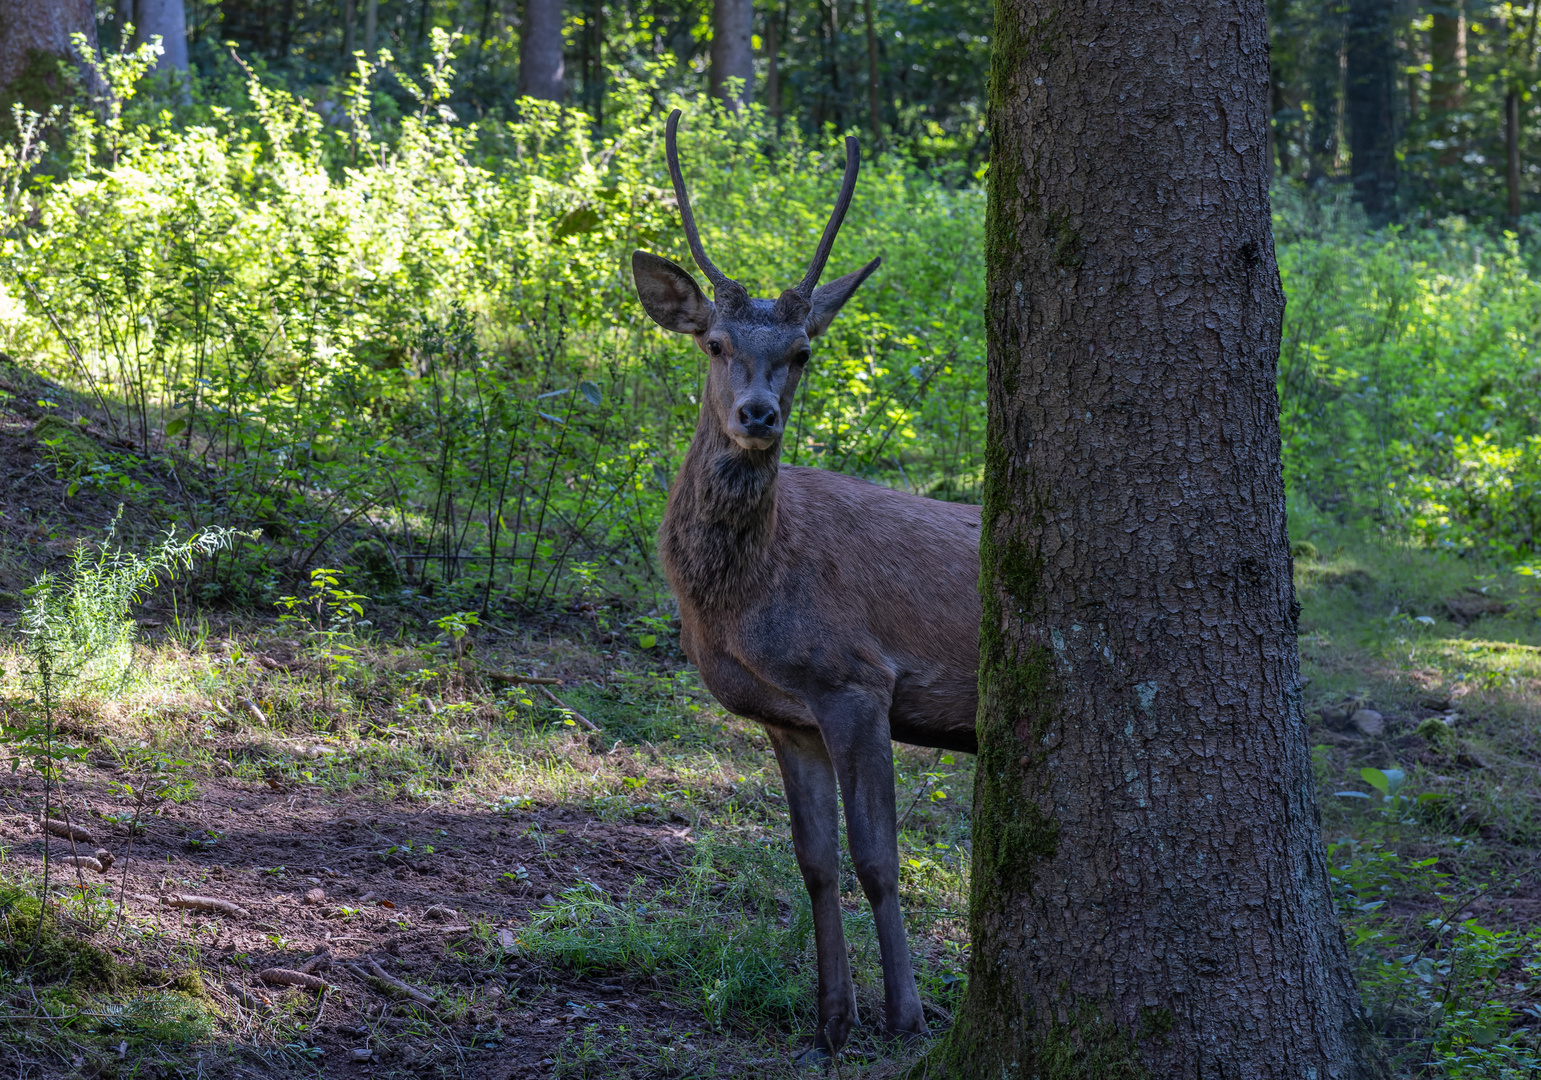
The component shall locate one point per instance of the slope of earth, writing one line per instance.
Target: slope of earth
(617, 902)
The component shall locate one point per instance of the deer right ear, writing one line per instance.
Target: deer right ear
(670, 295)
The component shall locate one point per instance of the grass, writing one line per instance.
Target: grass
(624, 903)
(1433, 822)
(638, 900)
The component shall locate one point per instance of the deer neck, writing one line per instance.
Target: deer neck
(716, 539)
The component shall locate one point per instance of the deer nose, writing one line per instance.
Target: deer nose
(758, 415)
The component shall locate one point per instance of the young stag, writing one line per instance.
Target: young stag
(837, 613)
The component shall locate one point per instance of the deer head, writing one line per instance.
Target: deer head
(757, 347)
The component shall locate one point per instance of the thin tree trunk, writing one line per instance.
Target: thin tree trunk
(732, 50)
(872, 75)
(34, 40)
(1512, 153)
(773, 65)
(371, 27)
(1324, 91)
(1372, 132)
(542, 69)
(1150, 891)
(349, 31)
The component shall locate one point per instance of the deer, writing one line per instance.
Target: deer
(837, 613)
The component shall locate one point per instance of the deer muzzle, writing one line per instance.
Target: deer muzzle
(756, 422)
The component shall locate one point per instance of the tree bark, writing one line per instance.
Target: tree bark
(1372, 126)
(1447, 57)
(168, 18)
(773, 62)
(1150, 891)
(1512, 153)
(732, 51)
(542, 69)
(1324, 91)
(875, 112)
(371, 27)
(34, 44)
(349, 32)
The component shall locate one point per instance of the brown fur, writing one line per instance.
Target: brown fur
(837, 613)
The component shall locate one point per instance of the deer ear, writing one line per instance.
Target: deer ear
(670, 295)
(829, 299)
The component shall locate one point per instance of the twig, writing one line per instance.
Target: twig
(378, 974)
(520, 680)
(574, 713)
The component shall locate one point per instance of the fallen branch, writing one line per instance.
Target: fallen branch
(205, 903)
(582, 720)
(521, 680)
(377, 974)
(68, 831)
(288, 977)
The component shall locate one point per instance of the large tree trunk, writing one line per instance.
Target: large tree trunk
(732, 51)
(35, 47)
(167, 18)
(1372, 65)
(541, 65)
(1150, 890)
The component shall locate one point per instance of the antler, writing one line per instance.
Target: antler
(721, 283)
(847, 189)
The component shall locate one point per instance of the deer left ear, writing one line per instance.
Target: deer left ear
(829, 299)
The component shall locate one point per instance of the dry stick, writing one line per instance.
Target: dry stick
(520, 680)
(574, 713)
(919, 792)
(378, 974)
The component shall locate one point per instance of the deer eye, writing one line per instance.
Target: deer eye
(714, 347)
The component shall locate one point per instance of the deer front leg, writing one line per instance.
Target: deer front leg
(855, 727)
(810, 785)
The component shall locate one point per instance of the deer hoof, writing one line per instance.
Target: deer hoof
(812, 1057)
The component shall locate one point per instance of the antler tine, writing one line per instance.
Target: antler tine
(847, 189)
(718, 279)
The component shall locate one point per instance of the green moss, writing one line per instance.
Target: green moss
(1440, 736)
(1066, 241)
(58, 955)
(64, 442)
(1087, 1046)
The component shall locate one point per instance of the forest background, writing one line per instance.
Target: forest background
(344, 278)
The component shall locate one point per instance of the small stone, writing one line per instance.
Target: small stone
(361, 1053)
(439, 912)
(1367, 721)
(314, 896)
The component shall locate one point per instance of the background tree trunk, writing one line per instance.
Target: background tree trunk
(1372, 64)
(541, 65)
(167, 18)
(873, 106)
(732, 52)
(1324, 90)
(371, 27)
(1150, 888)
(1447, 57)
(349, 32)
(34, 43)
(773, 62)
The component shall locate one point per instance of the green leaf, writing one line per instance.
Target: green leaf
(582, 220)
(1377, 780)
(647, 641)
(176, 427)
(591, 392)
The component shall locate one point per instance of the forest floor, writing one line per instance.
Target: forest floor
(581, 866)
